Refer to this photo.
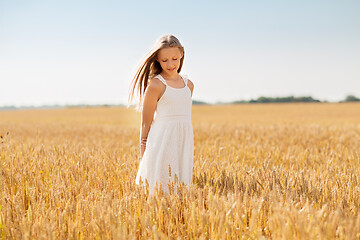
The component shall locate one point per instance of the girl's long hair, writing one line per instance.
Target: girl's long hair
(150, 67)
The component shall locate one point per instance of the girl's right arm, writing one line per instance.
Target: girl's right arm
(152, 94)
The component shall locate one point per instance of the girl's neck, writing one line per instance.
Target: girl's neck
(174, 76)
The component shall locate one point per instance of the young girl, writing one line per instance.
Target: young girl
(166, 134)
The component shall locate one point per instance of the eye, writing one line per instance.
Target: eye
(164, 60)
(175, 59)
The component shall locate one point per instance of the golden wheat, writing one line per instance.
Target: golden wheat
(279, 171)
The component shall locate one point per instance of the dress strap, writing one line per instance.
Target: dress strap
(185, 78)
(161, 79)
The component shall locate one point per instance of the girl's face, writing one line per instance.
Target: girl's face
(169, 59)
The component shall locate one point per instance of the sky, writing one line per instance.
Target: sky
(86, 52)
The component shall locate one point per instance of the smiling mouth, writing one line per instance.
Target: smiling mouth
(171, 69)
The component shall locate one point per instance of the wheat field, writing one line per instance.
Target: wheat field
(261, 171)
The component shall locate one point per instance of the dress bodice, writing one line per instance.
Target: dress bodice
(175, 102)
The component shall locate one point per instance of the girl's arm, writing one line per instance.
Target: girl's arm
(151, 96)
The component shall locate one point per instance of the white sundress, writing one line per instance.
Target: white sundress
(170, 139)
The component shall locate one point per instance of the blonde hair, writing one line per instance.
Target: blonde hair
(150, 67)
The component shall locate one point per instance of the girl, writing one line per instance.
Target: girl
(166, 134)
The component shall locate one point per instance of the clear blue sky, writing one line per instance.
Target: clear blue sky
(73, 52)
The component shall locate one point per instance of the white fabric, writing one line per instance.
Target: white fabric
(170, 140)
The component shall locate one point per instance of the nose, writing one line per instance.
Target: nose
(172, 63)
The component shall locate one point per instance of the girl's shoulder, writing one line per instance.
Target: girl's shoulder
(155, 85)
(190, 85)
(156, 82)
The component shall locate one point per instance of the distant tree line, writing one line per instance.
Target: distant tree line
(196, 102)
(289, 99)
(351, 98)
(292, 99)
